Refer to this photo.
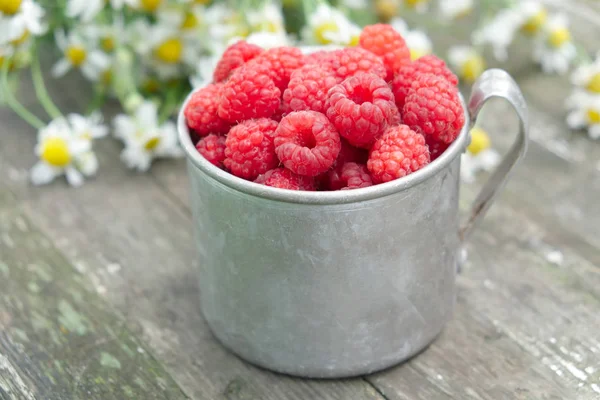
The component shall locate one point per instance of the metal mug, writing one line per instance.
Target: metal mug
(338, 284)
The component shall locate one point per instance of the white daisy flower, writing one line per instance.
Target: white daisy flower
(269, 40)
(19, 19)
(586, 114)
(554, 50)
(587, 76)
(189, 19)
(224, 23)
(417, 41)
(355, 4)
(204, 71)
(453, 9)
(144, 139)
(61, 152)
(269, 18)
(499, 32)
(532, 15)
(80, 53)
(466, 62)
(84, 9)
(327, 25)
(478, 157)
(149, 6)
(109, 36)
(419, 5)
(88, 128)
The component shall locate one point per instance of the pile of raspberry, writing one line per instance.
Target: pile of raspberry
(329, 120)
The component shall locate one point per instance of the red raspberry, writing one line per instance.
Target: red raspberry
(285, 179)
(348, 62)
(429, 64)
(397, 153)
(280, 63)
(212, 147)
(433, 108)
(436, 148)
(234, 57)
(383, 41)
(355, 176)
(331, 180)
(308, 89)
(361, 108)
(249, 148)
(201, 111)
(307, 143)
(249, 93)
(321, 57)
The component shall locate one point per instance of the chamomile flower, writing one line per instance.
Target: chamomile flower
(417, 41)
(466, 62)
(84, 9)
(355, 4)
(88, 128)
(61, 152)
(587, 76)
(20, 19)
(188, 19)
(224, 23)
(554, 50)
(532, 15)
(500, 32)
(586, 114)
(453, 9)
(204, 71)
(387, 9)
(266, 19)
(108, 36)
(269, 40)
(478, 157)
(144, 138)
(81, 54)
(149, 6)
(418, 5)
(328, 26)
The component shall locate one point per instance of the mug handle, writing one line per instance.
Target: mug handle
(496, 83)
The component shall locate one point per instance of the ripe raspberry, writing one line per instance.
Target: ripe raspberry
(249, 148)
(433, 108)
(383, 41)
(234, 57)
(201, 111)
(361, 108)
(397, 153)
(355, 176)
(436, 148)
(350, 61)
(285, 179)
(212, 147)
(332, 180)
(308, 89)
(280, 63)
(249, 93)
(428, 64)
(321, 57)
(307, 143)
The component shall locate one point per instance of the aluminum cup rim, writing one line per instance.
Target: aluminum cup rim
(325, 197)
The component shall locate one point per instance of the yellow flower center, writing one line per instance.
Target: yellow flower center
(479, 141)
(594, 83)
(152, 143)
(323, 29)
(354, 40)
(76, 54)
(472, 68)
(55, 152)
(417, 53)
(20, 40)
(414, 3)
(169, 51)
(268, 26)
(593, 116)
(150, 5)
(386, 9)
(534, 23)
(559, 37)
(189, 21)
(9, 7)
(106, 77)
(107, 44)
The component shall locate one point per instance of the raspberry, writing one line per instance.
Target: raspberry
(355, 176)
(234, 57)
(383, 41)
(397, 153)
(308, 89)
(331, 180)
(249, 93)
(249, 148)
(285, 179)
(348, 62)
(429, 64)
(433, 108)
(361, 108)
(436, 148)
(201, 111)
(307, 143)
(212, 147)
(280, 63)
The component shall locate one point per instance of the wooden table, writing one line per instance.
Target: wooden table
(99, 295)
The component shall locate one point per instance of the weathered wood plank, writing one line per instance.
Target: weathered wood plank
(58, 340)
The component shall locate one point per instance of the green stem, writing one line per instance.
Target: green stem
(168, 106)
(17, 107)
(40, 88)
(97, 100)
